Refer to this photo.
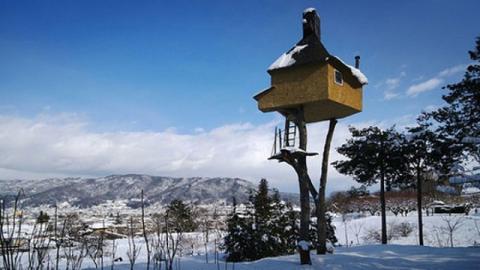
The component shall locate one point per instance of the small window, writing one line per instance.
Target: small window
(338, 77)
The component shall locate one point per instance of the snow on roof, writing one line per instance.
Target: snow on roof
(355, 72)
(286, 59)
(437, 203)
(307, 10)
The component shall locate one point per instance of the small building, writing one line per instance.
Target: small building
(309, 77)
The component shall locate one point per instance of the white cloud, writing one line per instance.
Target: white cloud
(452, 71)
(391, 84)
(63, 145)
(434, 82)
(388, 95)
(425, 86)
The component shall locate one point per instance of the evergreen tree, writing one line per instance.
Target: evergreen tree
(43, 217)
(118, 219)
(283, 226)
(268, 227)
(373, 155)
(331, 238)
(236, 241)
(417, 149)
(460, 118)
(262, 213)
(425, 151)
(180, 216)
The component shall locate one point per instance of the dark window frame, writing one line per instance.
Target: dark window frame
(335, 77)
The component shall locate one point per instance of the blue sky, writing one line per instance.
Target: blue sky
(190, 68)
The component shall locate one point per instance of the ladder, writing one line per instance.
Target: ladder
(289, 137)
(290, 133)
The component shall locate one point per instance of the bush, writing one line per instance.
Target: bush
(403, 229)
(372, 236)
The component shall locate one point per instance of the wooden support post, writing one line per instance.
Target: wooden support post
(300, 166)
(275, 143)
(320, 203)
(286, 137)
(280, 138)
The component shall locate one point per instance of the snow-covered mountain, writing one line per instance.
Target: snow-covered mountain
(85, 192)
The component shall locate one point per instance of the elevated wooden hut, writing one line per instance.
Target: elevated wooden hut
(309, 77)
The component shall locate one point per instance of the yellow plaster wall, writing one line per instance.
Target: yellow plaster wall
(295, 87)
(314, 88)
(344, 94)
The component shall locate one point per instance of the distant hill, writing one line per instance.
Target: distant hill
(85, 192)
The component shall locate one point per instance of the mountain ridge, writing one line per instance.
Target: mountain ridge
(86, 192)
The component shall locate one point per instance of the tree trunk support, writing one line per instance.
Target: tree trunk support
(320, 202)
(299, 164)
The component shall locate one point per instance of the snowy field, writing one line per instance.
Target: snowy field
(401, 253)
(359, 257)
(435, 229)
(363, 252)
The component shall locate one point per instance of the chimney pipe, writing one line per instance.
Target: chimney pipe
(357, 61)
(311, 23)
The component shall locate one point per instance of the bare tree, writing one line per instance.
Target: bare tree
(218, 233)
(168, 241)
(453, 224)
(205, 226)
(345, 220)
(145, 235)
(38, 245)
(158, 256)
(357, 229)
(58, 238)
(74, 254)
(437, 232)
(10, 233)
(114, 251)
(95, 249)
(133, 249)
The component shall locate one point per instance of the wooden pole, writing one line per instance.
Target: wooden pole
(275, 143)
(320, 203)
(286, 136)
(303, 179)
(280, 138)
(299, 164)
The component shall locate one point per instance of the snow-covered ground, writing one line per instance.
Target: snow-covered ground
(363, 252)
(359, 257)
(435, 229)
(401, 253)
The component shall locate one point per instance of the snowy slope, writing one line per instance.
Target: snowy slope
(361, 258)
(403, 253)
(435, 229)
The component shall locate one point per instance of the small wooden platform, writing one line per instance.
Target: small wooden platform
(291, 152)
